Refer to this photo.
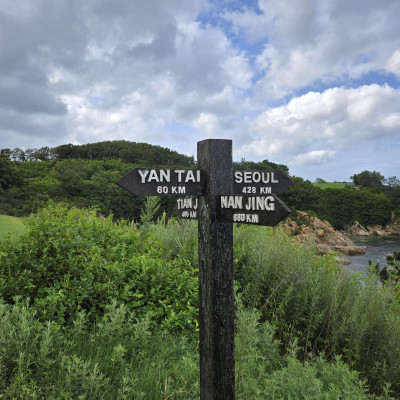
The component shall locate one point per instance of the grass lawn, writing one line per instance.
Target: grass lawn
(331, 185)
(10, 224)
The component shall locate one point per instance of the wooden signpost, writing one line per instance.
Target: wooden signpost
(224, 197)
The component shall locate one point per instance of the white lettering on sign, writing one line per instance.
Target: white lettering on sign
(187, 203)
(154, 175)
(190, 176)
(254, 203)
(187, 175)
(253, 190)
(189, 214)
(235, 202)
(164, 175)
(255, 177)
(249, 218)
(258, 203)
(178, 189)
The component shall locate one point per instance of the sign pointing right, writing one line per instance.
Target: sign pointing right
(256, 210)
(260, 182)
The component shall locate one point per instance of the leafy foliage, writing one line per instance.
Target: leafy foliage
(390, 273)
(70, 261)
(9, 174)
(368, 179)
(83, 176)
(341, 206)
(304, 324)
(262, 165)
(120, 357)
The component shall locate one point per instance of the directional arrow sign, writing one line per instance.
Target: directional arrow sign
(163, 182)
(253, 209)
(186, 208)
(260, 182)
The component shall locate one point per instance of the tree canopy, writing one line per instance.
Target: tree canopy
(85, 176)
(368, 179)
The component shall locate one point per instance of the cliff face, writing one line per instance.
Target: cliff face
(357, 229)
(327, 240)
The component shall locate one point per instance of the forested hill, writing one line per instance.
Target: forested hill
(129, 152)
(143, 154)
(85, 176)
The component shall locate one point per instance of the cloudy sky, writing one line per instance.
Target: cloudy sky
(313, 84)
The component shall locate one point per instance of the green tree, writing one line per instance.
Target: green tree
(18, 154)
(261, 165)
(392, 181)
(368, 179)
(9, 174)
(303, 195)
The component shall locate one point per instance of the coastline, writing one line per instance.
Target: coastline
(327, 240)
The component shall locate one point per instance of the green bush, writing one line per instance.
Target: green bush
(115, 294)
(70, 260)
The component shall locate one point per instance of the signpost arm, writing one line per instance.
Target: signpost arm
(216, 294)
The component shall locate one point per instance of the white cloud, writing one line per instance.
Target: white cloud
(336, 119)
(207, 122)
(172, 72)
(393, 64)
(314, 157)
(320, 41)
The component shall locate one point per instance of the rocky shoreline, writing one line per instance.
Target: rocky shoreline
(356, 229)
(328, 240)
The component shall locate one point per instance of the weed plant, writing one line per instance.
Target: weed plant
(121, 358)
(319, 305)
(108, 310)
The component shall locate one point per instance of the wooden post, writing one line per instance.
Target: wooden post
(216, 294)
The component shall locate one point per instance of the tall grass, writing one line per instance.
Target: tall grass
(108, 311)
(319, 305)
(122, 358)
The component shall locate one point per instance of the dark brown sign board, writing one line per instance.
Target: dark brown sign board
(253, 209)
(186, 207)
(260, 182)
(245, 209)
(163, 182)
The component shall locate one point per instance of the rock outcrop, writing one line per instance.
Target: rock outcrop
(357, 229)
(326, 239)
(393, 228)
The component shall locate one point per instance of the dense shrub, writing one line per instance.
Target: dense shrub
(70, 260)
(299, 315)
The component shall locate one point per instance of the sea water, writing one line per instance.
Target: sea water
(376, 247)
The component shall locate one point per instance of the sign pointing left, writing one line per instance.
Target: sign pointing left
(163, 182)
